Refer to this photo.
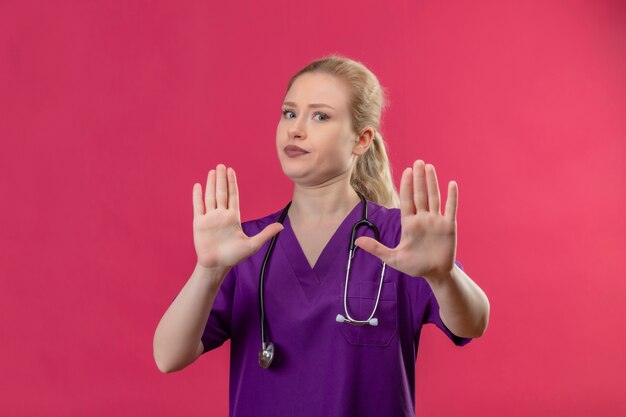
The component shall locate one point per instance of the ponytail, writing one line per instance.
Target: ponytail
(372, 175)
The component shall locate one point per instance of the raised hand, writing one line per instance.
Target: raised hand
(427, 246)
(217, 234)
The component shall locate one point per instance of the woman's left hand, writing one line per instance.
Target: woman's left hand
(427, 246)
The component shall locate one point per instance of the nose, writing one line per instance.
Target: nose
(296, 129)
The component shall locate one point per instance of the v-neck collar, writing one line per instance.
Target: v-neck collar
(337, 247)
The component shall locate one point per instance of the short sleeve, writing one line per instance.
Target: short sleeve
(217, 328)
(431, 315)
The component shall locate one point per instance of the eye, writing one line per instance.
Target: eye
(285, 112)
(322, 114)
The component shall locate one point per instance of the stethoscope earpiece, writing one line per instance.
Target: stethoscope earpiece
(341, 319)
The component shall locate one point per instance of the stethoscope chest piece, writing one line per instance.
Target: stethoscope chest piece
(266, 354)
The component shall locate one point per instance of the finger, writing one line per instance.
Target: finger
(419, 188)
(221, 194)
(452, 201)
(374, 247)
(407, 205)
(209, 196)
(233, 191)
(198, 207)
(264, 235)
(433, 189)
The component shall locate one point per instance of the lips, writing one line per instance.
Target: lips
(293, 150)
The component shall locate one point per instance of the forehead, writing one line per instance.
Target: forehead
(318, 88)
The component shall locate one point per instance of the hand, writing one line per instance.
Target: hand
(217, 233)
(427, 246)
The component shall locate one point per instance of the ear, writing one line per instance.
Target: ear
(363, 141)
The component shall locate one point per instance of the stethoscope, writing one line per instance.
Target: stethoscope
(266, 355)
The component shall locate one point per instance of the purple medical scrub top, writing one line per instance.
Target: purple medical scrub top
(322, 367)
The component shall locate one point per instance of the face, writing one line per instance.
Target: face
(324, 132)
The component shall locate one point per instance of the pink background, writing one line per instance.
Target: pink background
(110, 111)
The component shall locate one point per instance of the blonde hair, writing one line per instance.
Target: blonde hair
(372, 175)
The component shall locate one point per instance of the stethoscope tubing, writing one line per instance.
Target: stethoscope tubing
(262, 286)
(348, 319)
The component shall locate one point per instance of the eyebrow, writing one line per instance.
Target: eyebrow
(289, 103)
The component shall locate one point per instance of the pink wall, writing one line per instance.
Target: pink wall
(110, 111)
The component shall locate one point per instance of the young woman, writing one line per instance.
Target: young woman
(318, 329)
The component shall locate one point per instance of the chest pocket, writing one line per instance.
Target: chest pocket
(361, 300)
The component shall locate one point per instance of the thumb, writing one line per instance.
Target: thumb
(266, 234)
(374, 247)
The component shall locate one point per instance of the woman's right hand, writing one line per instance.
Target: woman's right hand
(217, 233)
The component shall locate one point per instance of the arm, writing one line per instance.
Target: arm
(177, 339)
(427, 248)
(220, 244)
(463, 306)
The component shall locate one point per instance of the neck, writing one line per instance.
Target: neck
(329, 202)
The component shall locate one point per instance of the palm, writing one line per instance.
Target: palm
(427, 244)
(219, 239)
